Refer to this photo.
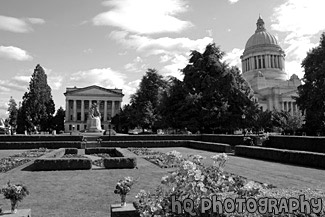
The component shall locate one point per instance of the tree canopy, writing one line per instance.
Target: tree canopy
(38, 106)
(311, 94)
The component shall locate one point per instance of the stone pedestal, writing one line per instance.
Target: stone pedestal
(20, 213)
(126, 211)
(94, 125)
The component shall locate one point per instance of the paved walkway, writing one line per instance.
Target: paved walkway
(278, 174)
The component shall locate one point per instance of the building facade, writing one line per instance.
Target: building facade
(79, 101)
(263, 66)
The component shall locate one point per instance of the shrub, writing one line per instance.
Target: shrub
(120, 163)
(62, 164)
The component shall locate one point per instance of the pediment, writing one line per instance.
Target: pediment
(93, 91)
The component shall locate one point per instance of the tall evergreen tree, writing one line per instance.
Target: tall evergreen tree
(13, 112)
(58, 121)
(38, 103)
(311, 94)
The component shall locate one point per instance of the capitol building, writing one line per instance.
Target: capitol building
(263, 66)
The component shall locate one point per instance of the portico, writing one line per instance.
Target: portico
(79, 101)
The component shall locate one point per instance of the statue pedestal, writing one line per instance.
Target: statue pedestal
(94, 125)
(126, 211)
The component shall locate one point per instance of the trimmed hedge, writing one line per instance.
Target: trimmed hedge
(302, 143)
(282, 155)
(39, 138)
(209, 146)
(153, 137)
(232, 140)
(147, 144)
(71, 151)
(120, 163)
(111, 151)
(62, 164)
(45, 144)
(53, 161)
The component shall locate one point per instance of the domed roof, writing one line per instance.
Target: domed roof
(261, 36)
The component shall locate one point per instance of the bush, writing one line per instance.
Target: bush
(120, 163)
(33, 145)
(62, 164)
(111, 151)
(38, 138)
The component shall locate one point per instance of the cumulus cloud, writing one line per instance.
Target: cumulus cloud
(11, 85)
(177, 63)
(105, 77)
(15, 53)
(233, 1)
(302, 22)
(136, 65)
(17, 25)
(144, 16)
(233, 57)
(151, 46)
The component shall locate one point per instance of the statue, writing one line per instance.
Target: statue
(93, 121)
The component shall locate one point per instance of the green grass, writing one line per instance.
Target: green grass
(90, 192)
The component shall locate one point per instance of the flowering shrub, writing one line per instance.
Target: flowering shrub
(123, 186)
(143, 151)
(193, 180)
(14, 192)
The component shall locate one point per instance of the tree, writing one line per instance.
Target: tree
(146, 100)
(311, 94)
(38, 103)
(221, 94)
(58, 121)
(13, 113)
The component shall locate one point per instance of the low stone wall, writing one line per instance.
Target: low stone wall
(301, 143)
(282, 155)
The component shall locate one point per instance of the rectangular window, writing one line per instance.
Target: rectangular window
(85, 127)
(70, 127)
(79, 116)
(78, 127)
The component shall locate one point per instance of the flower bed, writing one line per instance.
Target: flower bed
(143, 151)
(13, 161)
(195, 181)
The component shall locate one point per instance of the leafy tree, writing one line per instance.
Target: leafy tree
(221, 94)
(311, 94)
(288, 122)
(146, 100)
(38, 103)
(58, 121)
(13, 112)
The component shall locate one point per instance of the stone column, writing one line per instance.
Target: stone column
(105, 110)
(66, 109)
(82, 110)
(266, 61)
(74, 110)
(283, 63)
(113, 108)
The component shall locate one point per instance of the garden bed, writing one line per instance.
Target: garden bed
(13, 161)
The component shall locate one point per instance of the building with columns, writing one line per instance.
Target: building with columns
(78, 103)
(263, 66)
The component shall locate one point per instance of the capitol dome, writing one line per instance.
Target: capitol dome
(261, 36)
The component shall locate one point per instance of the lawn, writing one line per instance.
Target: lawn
(90, 192)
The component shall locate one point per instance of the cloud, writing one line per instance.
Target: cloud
(105, 77)
(302, 22)
(233, 1)
(144, 16)
(23, 25)
(136, 65)
(233, 57)
(11, 85)
(15, 53)
(178, 62)
(151, 46)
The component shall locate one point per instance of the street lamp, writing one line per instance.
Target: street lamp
(243, 117)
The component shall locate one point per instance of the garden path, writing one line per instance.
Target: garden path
(278, 174)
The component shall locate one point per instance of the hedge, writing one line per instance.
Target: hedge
(209, 146)
(62, 164)
(53, 161)
(283, 156)
(153, 137)
(147, 144)
(302, 143)
(45, 144)
(111, 151)
(120, 163)
(232, 140)
(39, 138)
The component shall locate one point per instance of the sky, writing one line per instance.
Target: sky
(112, 43)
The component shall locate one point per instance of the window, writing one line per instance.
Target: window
(85, 127)
(78, 127)
(70, 127)
(79, 116)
